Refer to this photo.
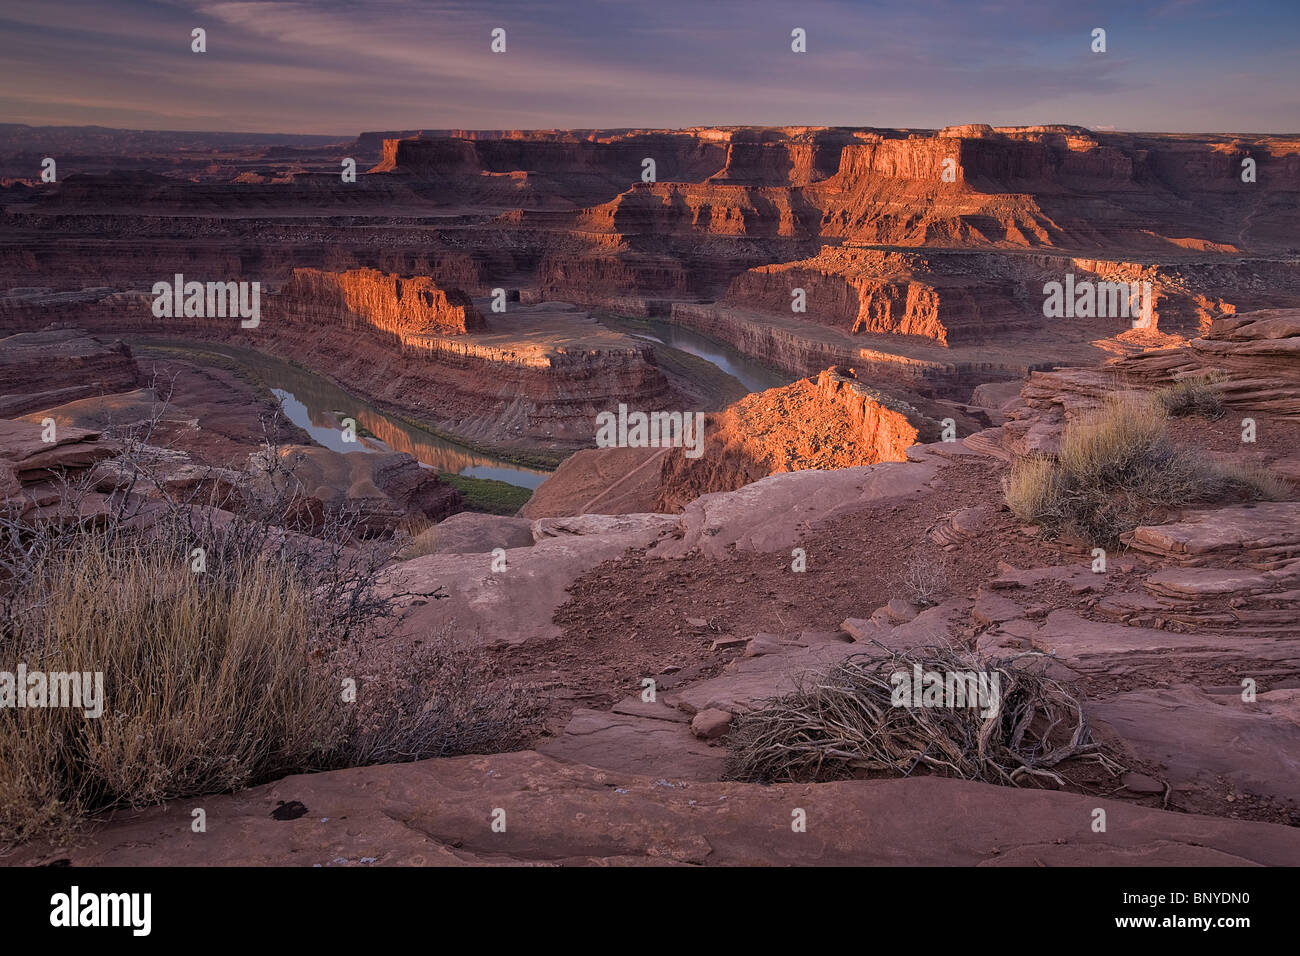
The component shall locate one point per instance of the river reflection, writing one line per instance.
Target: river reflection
(317, 406)
(755, 376)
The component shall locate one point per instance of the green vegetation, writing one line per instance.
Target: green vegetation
(208, 355)
(236, 360)
(488, 494)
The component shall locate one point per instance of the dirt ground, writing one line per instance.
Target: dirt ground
(628, 617)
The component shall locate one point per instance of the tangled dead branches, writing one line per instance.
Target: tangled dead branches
(847, 722)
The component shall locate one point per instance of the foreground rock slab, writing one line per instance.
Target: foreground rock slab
(1212, 743)
(440, 812)
(515, 602)
(770, 515)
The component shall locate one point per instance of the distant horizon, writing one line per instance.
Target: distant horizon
(292, 67)
(646, 128)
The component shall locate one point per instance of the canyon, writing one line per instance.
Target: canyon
(705, 603)
(921, 254)
(497, 290)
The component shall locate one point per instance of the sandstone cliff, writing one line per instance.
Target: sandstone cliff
(43, 369)
(407, 308)
(832, 421)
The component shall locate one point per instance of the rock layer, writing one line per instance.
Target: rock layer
(406, 308)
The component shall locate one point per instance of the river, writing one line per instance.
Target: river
(754, 375)
(317, 405)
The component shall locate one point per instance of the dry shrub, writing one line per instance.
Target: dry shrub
(209, 684)
(1033, 491)
(1116, 442)
(418, 544)
(923, 579)
(442, 699)
(1117, 469)
(843, 723)
(1259, 481)
(1194, 396)
(217, 680)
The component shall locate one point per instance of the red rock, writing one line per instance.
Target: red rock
(726, 643)
(407, 308)
(1203, 740)
(381, 489)
(643, 745)
(67, 364)
(711, 723)
(438, 812)
(473, 533)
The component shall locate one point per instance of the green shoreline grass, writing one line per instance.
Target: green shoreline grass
(227, 357)
(487, 494)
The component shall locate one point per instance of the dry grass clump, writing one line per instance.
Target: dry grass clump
(1118, 468)
(844, 723)
(417, 544)
(1115, 441)
(220, 671)
(1194, 396)
(1261, 483)
(209, 683)
(1033, 490)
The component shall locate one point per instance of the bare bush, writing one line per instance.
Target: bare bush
(923, 579)
(844, 722)
(442, 699)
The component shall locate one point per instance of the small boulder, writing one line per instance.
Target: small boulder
(1141, 783)
(711, 723)
(994, 609)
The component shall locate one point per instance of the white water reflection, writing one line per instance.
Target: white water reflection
(754, 375)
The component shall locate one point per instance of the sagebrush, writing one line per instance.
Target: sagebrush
(233, 652)
(1119, 468)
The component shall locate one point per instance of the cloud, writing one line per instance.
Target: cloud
(331, 65)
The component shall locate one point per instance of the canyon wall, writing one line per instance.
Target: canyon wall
(519, 392)
(407, 308)
(923, 254)
(832, 420)
(802, 349)
(577, 170)
(53, 367)
(859, 291)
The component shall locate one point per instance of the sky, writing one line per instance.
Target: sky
(337, 68)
